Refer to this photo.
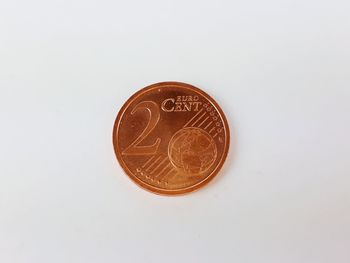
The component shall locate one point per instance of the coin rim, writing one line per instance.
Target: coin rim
(154, 189)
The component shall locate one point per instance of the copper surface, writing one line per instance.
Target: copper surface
(171, 138)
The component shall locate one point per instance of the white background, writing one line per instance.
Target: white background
(280, 71)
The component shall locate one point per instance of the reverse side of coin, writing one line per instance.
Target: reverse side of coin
(171, 138)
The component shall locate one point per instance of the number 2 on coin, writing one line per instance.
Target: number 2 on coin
(154, 115)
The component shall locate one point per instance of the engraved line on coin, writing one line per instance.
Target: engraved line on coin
(169, 172)
(171, 175)
(216, 134)
(203, 122)
(162, 173)
(212, 129)
(208, 125)
(159, 165)
(154, 163)
(149, 160)
(193, 117)
(193, 124)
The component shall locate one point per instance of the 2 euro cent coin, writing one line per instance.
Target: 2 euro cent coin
(171, 138)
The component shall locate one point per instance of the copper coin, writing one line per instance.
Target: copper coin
(171, 138)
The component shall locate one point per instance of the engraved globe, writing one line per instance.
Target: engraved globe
(192, 150)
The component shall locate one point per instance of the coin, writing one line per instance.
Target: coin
(171, 138)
